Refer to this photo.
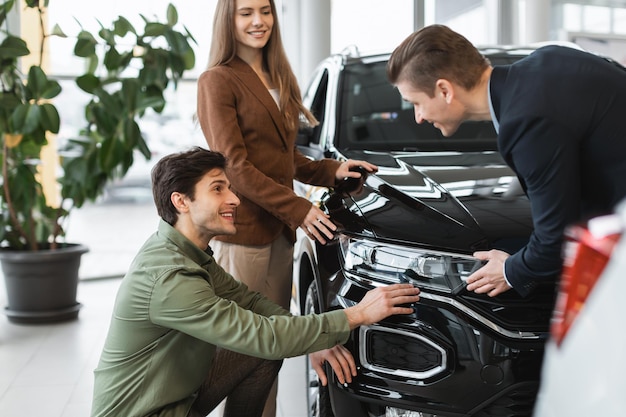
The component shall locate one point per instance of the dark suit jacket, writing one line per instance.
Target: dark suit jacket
(562, 116)
(240, 119)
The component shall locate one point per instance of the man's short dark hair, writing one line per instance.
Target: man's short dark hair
(435, 52)
(180, 172)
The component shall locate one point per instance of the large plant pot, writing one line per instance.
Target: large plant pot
(41, 285)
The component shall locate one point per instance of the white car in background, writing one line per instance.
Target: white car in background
(584, 371)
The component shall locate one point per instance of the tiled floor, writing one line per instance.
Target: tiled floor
(47, 369)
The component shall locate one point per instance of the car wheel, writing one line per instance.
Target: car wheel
(318, 395)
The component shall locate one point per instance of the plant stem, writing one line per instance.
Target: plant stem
(9, 201)
(43, 33)
(57, 226)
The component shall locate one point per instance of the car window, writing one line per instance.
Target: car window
(373, 116)
(315, 100)
(319, 105)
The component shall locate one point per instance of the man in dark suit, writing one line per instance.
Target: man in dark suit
(560, 114)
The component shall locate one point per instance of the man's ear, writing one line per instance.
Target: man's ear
(445, 89)
(179, 201)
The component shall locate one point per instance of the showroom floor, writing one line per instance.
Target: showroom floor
(48, 369)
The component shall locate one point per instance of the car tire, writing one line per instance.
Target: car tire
(318, 396)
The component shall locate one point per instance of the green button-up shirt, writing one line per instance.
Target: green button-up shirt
(173, 307)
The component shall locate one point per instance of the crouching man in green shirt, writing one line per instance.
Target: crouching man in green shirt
(184, 334)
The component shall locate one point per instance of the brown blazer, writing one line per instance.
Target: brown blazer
(240, 119)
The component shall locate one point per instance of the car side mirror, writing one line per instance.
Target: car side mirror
(350, 185)
(335, 205)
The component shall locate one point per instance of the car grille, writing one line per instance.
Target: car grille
(400, 353)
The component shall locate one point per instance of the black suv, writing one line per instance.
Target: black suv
(433, 202)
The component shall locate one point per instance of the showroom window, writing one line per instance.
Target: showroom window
(370, 25)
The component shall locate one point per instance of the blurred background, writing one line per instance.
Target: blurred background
(48, 369)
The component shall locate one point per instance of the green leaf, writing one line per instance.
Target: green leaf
(92, 64)
(37, 81)
(57, 31)
(142, 146)
(111, 153)
(130, 91)
(18, 117)
(8, 102)
(40, 86)
(77, 168)
(5, 8)
(112, 59)
(106, 122)
(152, 98)
(107, 35)
(51, 89)
(172, 15)
(189, 58)
(189, 35)
(112, 103)
(125, 59)
(177, 67)
(26, 118)
(122, 26)
(13, 47)
(177, 42)
(50, 119)
(132, 133)
(88, 83)
(75, 178)
(155, 29)
(85, 45)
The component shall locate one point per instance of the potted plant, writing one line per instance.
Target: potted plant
(123, 80)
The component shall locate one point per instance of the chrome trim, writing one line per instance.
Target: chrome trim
(363, 332)
(518, 335)
(482, 319)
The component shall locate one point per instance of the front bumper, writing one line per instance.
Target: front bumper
(444, 359)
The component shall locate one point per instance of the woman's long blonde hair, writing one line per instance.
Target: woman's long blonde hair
(224, 49)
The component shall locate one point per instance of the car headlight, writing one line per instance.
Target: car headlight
(384, 263)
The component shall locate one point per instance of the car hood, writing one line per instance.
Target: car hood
(447, 200)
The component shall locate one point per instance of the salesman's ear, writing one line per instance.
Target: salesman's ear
(444, 89)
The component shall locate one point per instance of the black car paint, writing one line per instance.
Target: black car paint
(484, 353)
(414, 198)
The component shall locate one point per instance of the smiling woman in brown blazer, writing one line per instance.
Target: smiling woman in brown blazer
(249, 109)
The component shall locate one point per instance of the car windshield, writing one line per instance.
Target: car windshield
(373, 116)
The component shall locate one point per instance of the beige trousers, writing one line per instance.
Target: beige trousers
(267, 269)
